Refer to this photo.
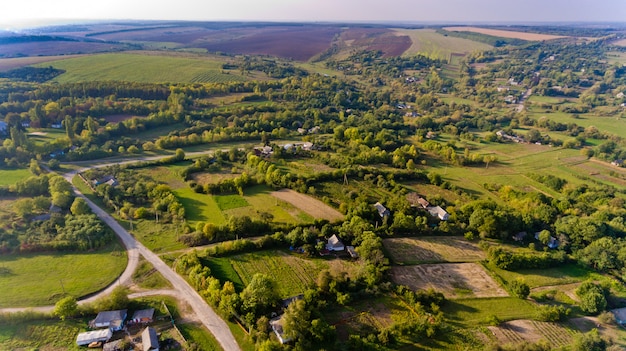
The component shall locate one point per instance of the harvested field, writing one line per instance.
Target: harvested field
(432, 249)
(527, 331)
(312, 206)
(454, 280)
(437, 46)
(298, 43)
(621, 42)
(505, 33)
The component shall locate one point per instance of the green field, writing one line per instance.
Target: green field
(41, 335)
(434, 45)
(44, 135)
(142, 68)
(199, 207)
(229, 202)
(473, 312)
(12, 176)
(292, 272)
(611, 124)
(549, 276)
(42, 279)
(146, 277)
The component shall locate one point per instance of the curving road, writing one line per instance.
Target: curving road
(209, 318)
(182, 289)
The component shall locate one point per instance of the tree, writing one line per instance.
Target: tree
(590, 341)
(519, 288)
(79, 207)
(260, 294)
(592, 299)
(66, 307)
(23, 207)
(295, 321)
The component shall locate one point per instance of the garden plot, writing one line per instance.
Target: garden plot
(527, 331)
(311, 206)
(454, 280)
(432, 249)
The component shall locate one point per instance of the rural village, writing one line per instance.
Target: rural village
(273, 186)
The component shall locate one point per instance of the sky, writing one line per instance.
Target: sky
(35, 12)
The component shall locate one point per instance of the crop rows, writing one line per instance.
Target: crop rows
(554, 333)
(506, 335)
(291, 274)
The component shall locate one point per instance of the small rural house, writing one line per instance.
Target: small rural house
(382, 210)
(277, 327)
(334, 244)
(150, 339)
(87, 338)
(620, 315)
(618, 163)
(113, 320)
(439, 212)
(415, 200)
(143, 316)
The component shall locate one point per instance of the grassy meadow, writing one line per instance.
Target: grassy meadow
(42, 279)
(143, 69)
(473, 312)
(12, 176)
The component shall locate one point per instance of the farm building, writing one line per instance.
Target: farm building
(150, 340)
(143, 316)
(439, 212)
(277, 327)
(415, 200)
(113, 320)
(382, 210)
(334, 244)
(87, 338)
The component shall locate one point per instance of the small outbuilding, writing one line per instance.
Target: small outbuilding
(382, 210)
(89, 337)
(277, 327)
(150, 340)
(143, 316)
(437, 211)
(352, 252)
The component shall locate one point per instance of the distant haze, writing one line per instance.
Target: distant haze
(19, 13)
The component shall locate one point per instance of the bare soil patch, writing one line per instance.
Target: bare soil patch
(212, 178)
(454, 280)
(432, 249)
(52, 48)
(506, 33)
(311, 206)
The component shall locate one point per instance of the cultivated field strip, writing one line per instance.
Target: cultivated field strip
(432, 250)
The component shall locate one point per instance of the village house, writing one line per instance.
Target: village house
(438, 212)
(618, 163)
(352, 252)
(113, 320)
(150, 340)
(510, 99)
(619, 95)
(334, 244)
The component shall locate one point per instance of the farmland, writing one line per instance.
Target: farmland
(505, 33)
(409, 251)
(142, 68)
(42, 279)
(453, 279)
(471, 312)
(311, 206)
(429, 43)
(292, 273)
(524, 331)
(17, 62)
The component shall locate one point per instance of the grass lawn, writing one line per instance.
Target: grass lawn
(42, 279)
(222, 269)
(199, 207)
(44, 135)
(12, 176)
(229, 202)
(146, 277)
(41, 334)
(161, 237)
(197, 334)
(473, 312)
(141, 68)
(566, 274)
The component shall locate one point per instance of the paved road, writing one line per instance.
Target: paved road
(184, 291)
(209, 318)
(520, 106)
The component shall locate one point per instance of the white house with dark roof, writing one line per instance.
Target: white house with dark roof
(334, 244)
(113, 320)
(437, 211)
